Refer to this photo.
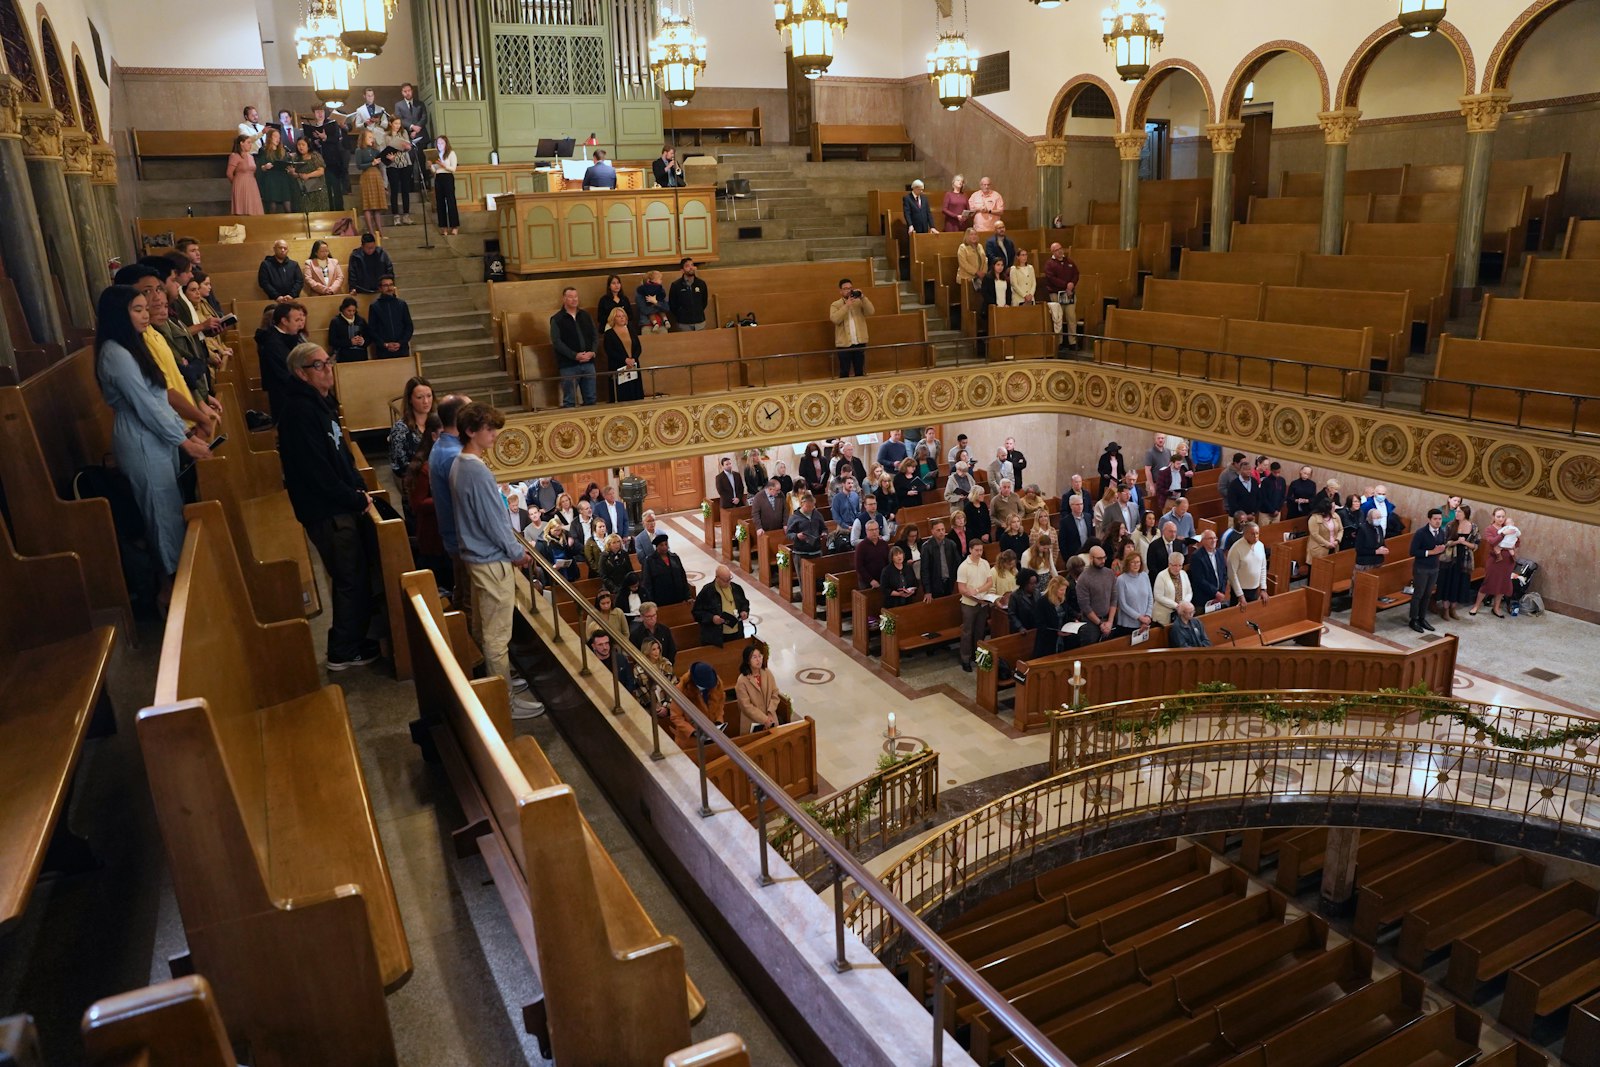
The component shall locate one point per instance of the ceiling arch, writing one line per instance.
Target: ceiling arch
(1355, 71)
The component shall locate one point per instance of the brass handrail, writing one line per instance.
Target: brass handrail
(897, 795)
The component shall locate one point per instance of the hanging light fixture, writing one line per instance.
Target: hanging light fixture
(323, 57)
(951, 64)
(1048, 5)
(364, 25)
(677, 55)
(1421, 17)
(811, 24)
(1134, 29)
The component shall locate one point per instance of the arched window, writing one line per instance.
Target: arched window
(16, 50)
(56, 73)
(91, 120)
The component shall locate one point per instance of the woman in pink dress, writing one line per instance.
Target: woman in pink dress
(1497, 568)
(955, 206)
(242, 176)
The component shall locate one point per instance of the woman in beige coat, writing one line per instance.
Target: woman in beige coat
(757, 690)
(1325, 530)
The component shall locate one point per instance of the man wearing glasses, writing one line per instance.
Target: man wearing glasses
(329, 499)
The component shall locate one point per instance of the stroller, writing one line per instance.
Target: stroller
(1522, 596)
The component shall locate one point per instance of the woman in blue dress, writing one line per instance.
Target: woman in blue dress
(148, 436)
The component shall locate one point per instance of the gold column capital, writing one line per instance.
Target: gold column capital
(103, 164)
(1224, 135)
(1129, 145)
(1049, 153)
(1483, 110)
(41, 132)
(11, 98)
(76, 150)
(1337, 126)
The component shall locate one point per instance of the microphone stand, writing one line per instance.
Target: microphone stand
(1229, 635)
(1252, 624)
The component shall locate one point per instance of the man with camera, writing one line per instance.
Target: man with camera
(849, 314)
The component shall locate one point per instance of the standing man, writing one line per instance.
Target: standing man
(1076, 488)
(329, 498)
(389, 322)
(872, 554)
(490, 550)
(893, 452)
(440, 460)
(1096, 599)
(805, 528)
(1076, 528)
(601, 174)
(846, 503)
(327, 137)
(252, 128)
(1155, 458)
(369, 265)
(573, 336)
(986, 205)
(644, 540)
(371, 113)
(1019, 462)
(613, 512)
(1061, 293)
(974, 578)
(729, 484)
(940, 561)
(688, 298)
(768, 508)
(1162, 550)
(721, 609)
(1427, 545)
(273, 345)
(1247, 565)
(849, 314)
(662, 577)
(279, 276)
(413, 116)
(915, 209)
(667, 173)
(1000, 247)
(1208, 573)
(1271, 494)
(870, 518)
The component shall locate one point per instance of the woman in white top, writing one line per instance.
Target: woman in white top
(444, 187)
(1172, 588)
(1023, 280)
(323, 274)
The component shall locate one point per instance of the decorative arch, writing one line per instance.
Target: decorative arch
(1497, 72)
(55, 73)
(1061, 106)
(17, 52)
(1140, 104)
(1250, 66)
(1355, 71)
(86, 108)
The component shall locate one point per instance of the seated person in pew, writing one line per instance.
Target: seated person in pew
(721, 608)
(1186, 631)
(600, 644)
(649, 628)
(369, 265)
(280, 277)
(1428, 544)
(1247, 565)
(490, 550)
(701, 686)
(348, 339)
(756, 690)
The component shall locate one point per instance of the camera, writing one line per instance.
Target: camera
(855, 294)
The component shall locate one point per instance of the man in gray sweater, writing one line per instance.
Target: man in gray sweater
(1095, 588)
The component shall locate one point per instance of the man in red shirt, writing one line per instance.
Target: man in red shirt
(1061, 292)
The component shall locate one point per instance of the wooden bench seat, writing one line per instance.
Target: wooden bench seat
(1497, 369)
(1233, 300)
(1483, 954)
(247, 256)
(1252, 268)
(1304, 855)
(1385, 901)
(1552, 980)
(204, 228)
(53, 666)
(1426, 277)
(1400, 238)
(1332, 574)
(170, 1024)
(700, 121)
(1582, 240)
(1432, 926)
(1447, 1038)
(1379, 590)
(859, 140)
(1354, 1026)
(1276, 237)
(787, 754)
(1306, 209)
(1388, 315)
(274, 850)
(1545, 278)
(1258, 844)
(1558, 323)
(1376, 180)
(922, 625)
(573, 911)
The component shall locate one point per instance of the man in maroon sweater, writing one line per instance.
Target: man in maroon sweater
(1061, 292)
(872, 556)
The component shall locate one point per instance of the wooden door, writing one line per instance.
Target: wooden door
(1252, 162)
(674, 485)
(802, 102)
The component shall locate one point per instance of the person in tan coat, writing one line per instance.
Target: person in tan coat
(757, 691)
(704, 690)
(849, 314)
(1325, 530)
(970, 260)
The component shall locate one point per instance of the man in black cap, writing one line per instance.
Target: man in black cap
(664, 580)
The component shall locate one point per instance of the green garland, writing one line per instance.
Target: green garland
(741, 532)
(886, 623)
(840, 823)
(705, 509)
(781, 558)
(1213, 697)
(983, 659)
(830, 589)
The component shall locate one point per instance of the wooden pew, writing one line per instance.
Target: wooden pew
(1549, 919)
(1387, 314)
(1545, 278)
(1155, 240)
(1233, 300)
(53, 666)
(1286, 560)
(1303, 855)
(860, 140)
(1432, 926)
(1020, 333)
(1168, 343)
(724, 1050)
(767, 543)
(1502, 367)
(786, 753)
(1331, 575)
(274, 851)
(1426, 278)
(1314, 360)
(865, 605)
(940, 617)
(204, 228)
(807, 352)
(1557, 323)
(791, 305)
(812, 570)
(700, 121)
(888, 201)
(368, 391)
(1251, 268)
(1560, 976)
(169, 1024)
(1276, 237)
(1582, 240)
(574, 914)
(180, 144)
(1118, 270)
(1378, 180)
(1384, 901)
(728, 521)
(1378, 590)
(837, 608)
(1582, 1048)
(1399, 238)
(224, 259)
(1306, 209)
(1374, 1024)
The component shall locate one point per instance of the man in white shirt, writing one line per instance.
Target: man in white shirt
(1172, 588)
(1247, 565)
(371, 113)
(252, 128)
(973, 579)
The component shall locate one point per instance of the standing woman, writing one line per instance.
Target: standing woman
(322, 272)
(405, 437)
(371, 180)
(310, 173)
(621, 346)
(907, 486)
(242, 178)
(1024, 283)
(1325, 529)
(397, 143)
(200, 312)
(444, 187)
(272, 173)
(612, 299)
(148, 435)
(1497, 569)
(954, 218)
(757, 690)
(812, 469)
(1455, 566)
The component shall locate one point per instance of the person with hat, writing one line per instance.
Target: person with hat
(1112, 466)
(703, 689)
(664, 581)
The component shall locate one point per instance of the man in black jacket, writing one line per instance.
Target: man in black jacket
(1272, 492)
(327, 137)
(663, 578)
(329, 499)
(805, 529)
(279, 276)
(668, 174)
(1208, 573)
(273, 345)
(574, 338)
(389, 325)
(940, 558)
(687, 299)
(721, 609)
(369, 265)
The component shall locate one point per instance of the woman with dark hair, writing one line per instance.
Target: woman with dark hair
(757, 689)
(612, 299)
(444, 187)
(397, 146)
(812, 468)
(242, 178)
(406, 434)
(369, 159)
(1455, 571)
(147, 436)
(311, 182)
(323, 275)
(272, 173)
(899, 579)
(591, 493)
(347, 334)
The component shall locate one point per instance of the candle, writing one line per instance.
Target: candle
(891, 724)
(1077, 668)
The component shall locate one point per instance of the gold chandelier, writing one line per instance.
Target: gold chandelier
(364, 25)
(322, 55)
(1421, 17)
(677, 55)
(951, 66)
(1134, 29)
(811, 24)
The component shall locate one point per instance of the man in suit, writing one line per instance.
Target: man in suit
(668, 174)
(768, 508)
(1076, 488)
(1379, 501)
(644, 540)
(614, 513)
(1208, 572)
(1000, 247)
(1123, 510)
(848, 466)
(1427, 545)
(914, 208)
(1076, 527)
(730, 487)
(1162, 549)
(721, 609)
(601, 174)
(1186, 631)
(940, 559)
(413, 115)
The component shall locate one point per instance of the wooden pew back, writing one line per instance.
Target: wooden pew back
(1233, 300)
(1160, 341)
(1387, 314)
(1118, 269)
(861, 137)
(1557, 323)
(1511, 365)
(1276, 237)
(1582, 240)
(787, 754)
(370, 391)
(1030, 325)
(1373, 591)
(1378, 180)
(1251, 268)
(1307, 209)
(1560, 279)
(223, 259)
(791, 305)
(1427, 278)
(204, 228)
(1400, 238)
(1331, 574)
(169, 1024)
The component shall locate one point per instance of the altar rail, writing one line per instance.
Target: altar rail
(879, 808)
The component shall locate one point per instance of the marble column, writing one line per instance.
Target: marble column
(1224, 139)
(21, 243)
(79, 168)
(1050, 159)
(1339, 869)
(1130, 147)
(103, 186)
(41, 145)
(1337, 126)
(1483, 112)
